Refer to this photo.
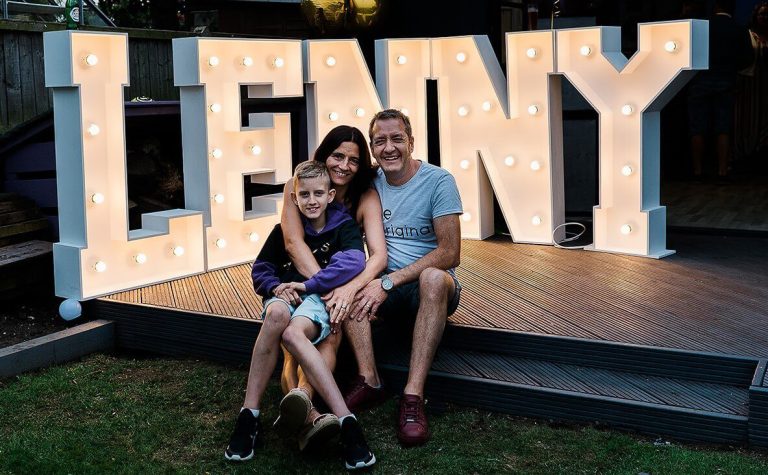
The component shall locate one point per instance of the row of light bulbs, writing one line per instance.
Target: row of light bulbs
(461, 57)
(217, 153)
(536, 220)
(247, 61)
(177, 251)
(330, 61)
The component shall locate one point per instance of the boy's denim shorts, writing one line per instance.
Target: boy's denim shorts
(311, 307)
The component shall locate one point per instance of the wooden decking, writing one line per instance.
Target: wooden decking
(711, 296)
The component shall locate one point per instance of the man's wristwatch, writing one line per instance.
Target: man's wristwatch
(386, 283)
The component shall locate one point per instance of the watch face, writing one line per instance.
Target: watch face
(386, 283)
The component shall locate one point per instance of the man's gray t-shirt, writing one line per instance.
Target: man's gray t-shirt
(409, 211)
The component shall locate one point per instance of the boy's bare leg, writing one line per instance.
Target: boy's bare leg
(296, 339)
(264, 356)
(328, 349)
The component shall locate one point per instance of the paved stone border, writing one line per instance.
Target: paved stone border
(57, 348)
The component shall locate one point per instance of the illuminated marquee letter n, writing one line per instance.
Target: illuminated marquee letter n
(628, 95)
(502, 133)
(339, 88)
(97, 254)
(219, 152)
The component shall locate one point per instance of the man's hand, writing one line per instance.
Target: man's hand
(367, 301)
(290, 291)
(339, 303)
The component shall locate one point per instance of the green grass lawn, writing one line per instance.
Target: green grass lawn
(123, 415)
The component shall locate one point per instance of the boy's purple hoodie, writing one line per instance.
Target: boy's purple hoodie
(338, 249)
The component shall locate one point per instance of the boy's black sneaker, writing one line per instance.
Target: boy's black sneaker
(356, 452)
(245, 438)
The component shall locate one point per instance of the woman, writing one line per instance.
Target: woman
(752, 107)
(345, 152)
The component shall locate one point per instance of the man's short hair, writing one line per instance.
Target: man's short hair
(311, 169)
(387, 114)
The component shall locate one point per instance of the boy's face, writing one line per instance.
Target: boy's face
(312, 196)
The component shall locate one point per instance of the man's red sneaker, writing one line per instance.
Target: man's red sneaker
(361, 396)
(412, 428)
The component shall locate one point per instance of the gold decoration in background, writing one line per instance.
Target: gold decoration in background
(330, 16)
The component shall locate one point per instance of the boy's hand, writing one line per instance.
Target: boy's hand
(290, 291)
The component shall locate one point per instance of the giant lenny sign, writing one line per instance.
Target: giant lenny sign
(499, 136)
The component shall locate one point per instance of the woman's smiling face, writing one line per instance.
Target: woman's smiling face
(343, 163)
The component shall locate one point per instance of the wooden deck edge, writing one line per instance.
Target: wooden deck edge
(758, 408)
(682, 424)
(56, 348)
(230, 339)
(717, 368)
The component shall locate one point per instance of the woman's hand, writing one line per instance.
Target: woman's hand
(289, 292)
(339, 302)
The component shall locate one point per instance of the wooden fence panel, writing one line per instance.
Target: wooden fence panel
(12, 83)
(23, 95)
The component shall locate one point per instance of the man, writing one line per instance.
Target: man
(712, 93)
(421, 208)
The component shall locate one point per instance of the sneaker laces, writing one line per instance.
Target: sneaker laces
(411, 410)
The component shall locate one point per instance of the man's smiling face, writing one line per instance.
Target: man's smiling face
(391, 147)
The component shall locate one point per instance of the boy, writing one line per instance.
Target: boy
(338, 248)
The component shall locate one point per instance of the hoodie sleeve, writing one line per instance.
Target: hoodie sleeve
(264, 271)
(345, 263)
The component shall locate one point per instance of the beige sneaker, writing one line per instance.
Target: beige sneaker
(294, 409)
(315, 435)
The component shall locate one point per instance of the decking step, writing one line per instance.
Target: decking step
(668, 406)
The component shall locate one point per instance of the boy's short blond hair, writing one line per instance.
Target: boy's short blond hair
(311, 169)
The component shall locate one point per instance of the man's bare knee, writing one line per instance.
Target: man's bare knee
(434, 284)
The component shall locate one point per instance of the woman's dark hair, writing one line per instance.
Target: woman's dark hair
(754, 25)
(365, 172)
